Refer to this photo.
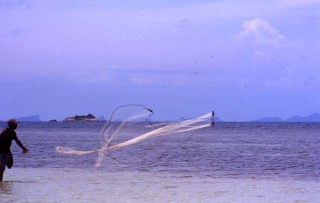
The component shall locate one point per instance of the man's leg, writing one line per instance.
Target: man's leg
(2, 165)
(1, 173)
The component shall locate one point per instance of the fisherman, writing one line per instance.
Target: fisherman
(6, 137)
(212, 119)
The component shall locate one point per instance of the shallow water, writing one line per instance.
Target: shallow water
(92, 185)
(232, 162)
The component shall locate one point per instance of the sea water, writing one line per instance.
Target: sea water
(231, 162)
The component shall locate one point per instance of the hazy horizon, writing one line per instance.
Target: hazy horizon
(315, 117)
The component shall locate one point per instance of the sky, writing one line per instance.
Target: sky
(242, 59)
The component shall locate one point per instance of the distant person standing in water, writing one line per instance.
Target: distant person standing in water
(212, 119)
(6, 137)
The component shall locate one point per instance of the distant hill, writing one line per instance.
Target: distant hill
(312, 118)
(34, 118)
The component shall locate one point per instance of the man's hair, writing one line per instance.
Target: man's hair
(12, 122)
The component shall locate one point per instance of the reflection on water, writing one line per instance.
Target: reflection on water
(6, 187)
(12, 191)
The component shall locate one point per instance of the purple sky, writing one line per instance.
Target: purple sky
(243, 59)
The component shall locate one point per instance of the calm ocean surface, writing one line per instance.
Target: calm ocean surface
(232, 162)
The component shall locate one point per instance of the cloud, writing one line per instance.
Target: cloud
(260, 32)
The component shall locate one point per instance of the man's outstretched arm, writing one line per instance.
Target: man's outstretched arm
(24, 149)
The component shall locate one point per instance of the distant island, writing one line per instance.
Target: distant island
(88, 117)
(311, 118)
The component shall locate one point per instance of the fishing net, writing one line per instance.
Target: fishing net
(129, 125)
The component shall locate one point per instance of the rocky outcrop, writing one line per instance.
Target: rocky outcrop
(88, 117)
